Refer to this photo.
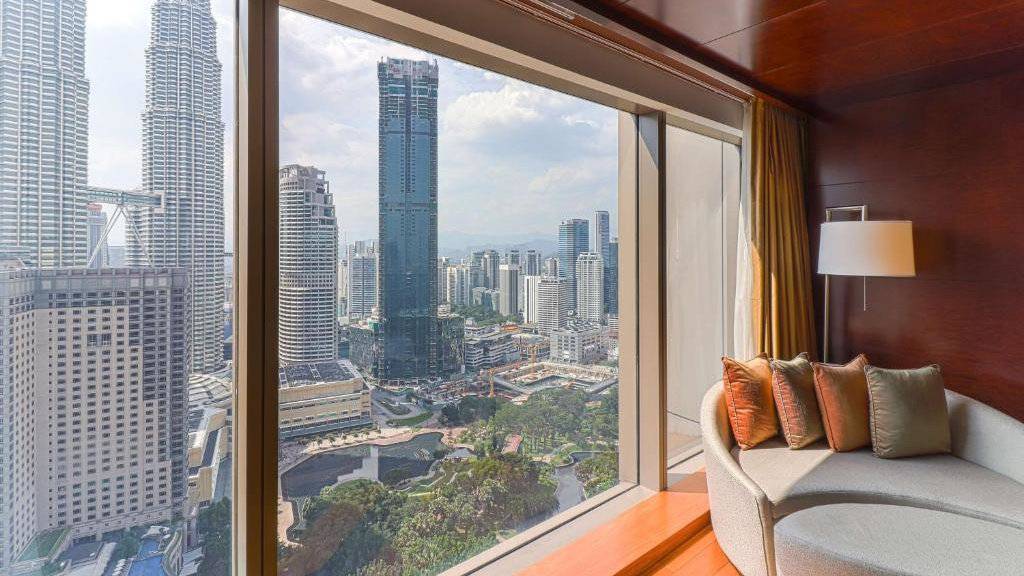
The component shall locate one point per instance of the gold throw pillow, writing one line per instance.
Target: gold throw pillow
(796, 402)
(843, 398)
(908, 412)
(748, 398)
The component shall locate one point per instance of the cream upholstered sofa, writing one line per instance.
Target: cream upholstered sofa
(783, 512)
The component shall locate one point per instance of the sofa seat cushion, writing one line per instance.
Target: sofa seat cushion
(874, 540)
(797, 479)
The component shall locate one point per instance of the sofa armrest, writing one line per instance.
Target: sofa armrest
(985, 436)
(740, 511)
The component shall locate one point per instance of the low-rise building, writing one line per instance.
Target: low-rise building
(578, 343)
(495, 348)
(322, 397)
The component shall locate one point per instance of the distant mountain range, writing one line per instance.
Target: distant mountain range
(456, 245)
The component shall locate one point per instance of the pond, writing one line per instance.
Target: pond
(389, 464)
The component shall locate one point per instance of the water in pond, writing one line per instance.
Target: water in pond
(389, 464)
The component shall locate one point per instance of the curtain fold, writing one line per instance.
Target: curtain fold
(782, 306)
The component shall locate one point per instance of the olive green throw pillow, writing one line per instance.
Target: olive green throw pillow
(908, 412)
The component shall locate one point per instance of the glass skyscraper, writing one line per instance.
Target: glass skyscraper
(408, 219)
(573, 240)
(183, 161)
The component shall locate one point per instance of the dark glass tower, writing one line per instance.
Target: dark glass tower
(408, 219)
(573, 240)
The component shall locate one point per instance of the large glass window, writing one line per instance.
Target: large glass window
(448, 309)
(115, 286)
(701, 214)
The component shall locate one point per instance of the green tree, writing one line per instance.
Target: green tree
(214, 526)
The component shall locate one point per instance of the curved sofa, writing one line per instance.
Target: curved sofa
(800, 497)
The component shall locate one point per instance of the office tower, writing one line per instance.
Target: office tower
(44, 138)
(408, 219)
(476, 265)
(97, 222)
(551, 266)
(590, 287)
(458, 285)
(546, 303)
(93, 398)
(573, 240)
(183, 161)
(362, 285)
(532, 264)
(611, 278)
(491, 261)
(514, 257)
(442, 278)
(308, 255)
(602, 233)
(508, 288)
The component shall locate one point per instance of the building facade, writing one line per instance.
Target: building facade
(573, 240)
(44, 137)
(577, 343)
(92, 401)
(408, 219)
(611, 278)
(183, 162)
(590, 287)
(545, 302)
(362, 284)
(508, 290)
(308, 253)
(458, 285)
(322, 397)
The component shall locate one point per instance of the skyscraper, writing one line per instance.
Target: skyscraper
(611, 278)
(573, 240)
(532, 264)
(308, 248)
(97, 222)
(183, 161)
(602, 233)
(590, 287)
(491, 262)
(362, 284)
(44, 138)
(551, 266)
(508, 287)
(551, 302)
(458, 285)
(408, 219)
(93, 398)
(442, 276)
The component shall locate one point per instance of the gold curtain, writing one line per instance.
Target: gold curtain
(782, 303)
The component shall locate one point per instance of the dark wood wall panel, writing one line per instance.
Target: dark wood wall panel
(952, 160)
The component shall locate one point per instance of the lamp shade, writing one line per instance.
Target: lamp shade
(867, 248)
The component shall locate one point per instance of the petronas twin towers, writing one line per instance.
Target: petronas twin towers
(183, 162)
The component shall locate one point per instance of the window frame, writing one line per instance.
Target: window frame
(642, 291)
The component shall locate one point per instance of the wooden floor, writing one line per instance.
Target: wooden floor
(667, 534)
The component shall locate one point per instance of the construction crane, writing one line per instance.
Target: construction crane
(121, 199)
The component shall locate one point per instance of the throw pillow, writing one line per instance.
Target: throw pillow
(796, 402)
(908, 412)
(843, 398)
(748, 398)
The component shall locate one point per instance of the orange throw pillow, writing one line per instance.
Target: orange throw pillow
(843, 398)
(748, 398)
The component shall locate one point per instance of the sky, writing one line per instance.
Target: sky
(514, 158)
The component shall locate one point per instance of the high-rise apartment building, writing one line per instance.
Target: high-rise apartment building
(44, 137)
(407, 226)
(442, 277)
(514, 257)
(551, 266)
(308, 252)
(573, 240)
(362, 284)
(97, 222)
(183, 162)
(545, 302)
(590, 287)
(92, 401)
(508, 288)
(458, 285)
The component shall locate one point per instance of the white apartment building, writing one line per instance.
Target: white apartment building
(362, 284)
(459, 285)
(93, 376)
(590, 287)
(577, 343)
(545, 302)
(308, 245)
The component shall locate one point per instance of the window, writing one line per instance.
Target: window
(448, 304)
(114, 284)
(702, 202)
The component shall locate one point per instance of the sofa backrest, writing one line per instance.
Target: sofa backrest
(985, 436)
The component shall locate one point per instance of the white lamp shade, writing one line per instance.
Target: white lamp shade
(867, 248)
